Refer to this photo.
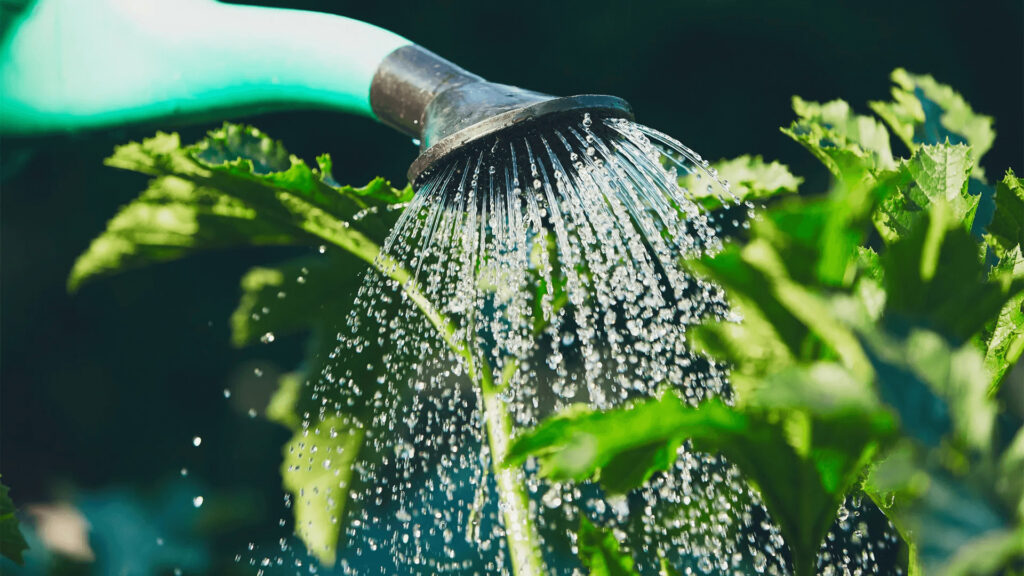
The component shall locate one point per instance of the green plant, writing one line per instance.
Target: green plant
(238, 187)
(876, 327)
(12, 543)
(880, 320)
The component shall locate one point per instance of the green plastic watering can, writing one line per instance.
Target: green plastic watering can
(72, 65)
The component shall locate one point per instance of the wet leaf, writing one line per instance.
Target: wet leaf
(802, 477)
(237, 187)
(317, 471)
(600, 552)
(750, 178)
(296, 296)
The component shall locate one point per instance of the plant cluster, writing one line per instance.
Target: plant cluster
(879, 320)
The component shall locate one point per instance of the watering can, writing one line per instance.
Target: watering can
(73, 65)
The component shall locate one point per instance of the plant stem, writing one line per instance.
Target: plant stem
(520, 533)
(514, 503)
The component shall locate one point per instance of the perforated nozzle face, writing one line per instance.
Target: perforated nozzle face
(449, 109)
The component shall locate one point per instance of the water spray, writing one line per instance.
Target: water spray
(516, 191)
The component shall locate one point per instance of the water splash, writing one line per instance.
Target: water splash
(529, 274)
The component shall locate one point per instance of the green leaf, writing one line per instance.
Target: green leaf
(751, 346)
(934, 278)
(802, 477)
(936, 389)
(296, 296)
(848, 144)
(282, 407)
(1006, 231)
(941, 172)
(237, 187)
(750, 178)
(800, 316)
(1005, 342)
(924, 111)
(317, 471)
(12, 542)
(600, 552)
(937, 512)
(1010, 480)
(992, 554)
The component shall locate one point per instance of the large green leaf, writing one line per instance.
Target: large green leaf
(237, 187)
(802, 438)
(801, 317)
(935, 279)
(296, 296)
(943, 515)
(317, 471)
(848, 144)
(749, 177)
(938, 390)
(935, 174)
(941, 172)
(600, 552)
(12, 542)
(924, 111)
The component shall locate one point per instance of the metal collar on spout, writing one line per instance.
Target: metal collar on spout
(448, 108)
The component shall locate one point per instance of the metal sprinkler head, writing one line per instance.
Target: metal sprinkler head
(450, 110)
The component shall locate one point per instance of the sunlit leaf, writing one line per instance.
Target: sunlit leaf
(750, 178)
(600, 552)
(802, 479)
(941, 173)
(924, 111)
(934, 278)
(237, 187)
(317, 471)
(848, 144)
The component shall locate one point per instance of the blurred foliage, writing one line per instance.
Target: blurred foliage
(237, 186)
(879, 322)
(600, 552)
(12, 542)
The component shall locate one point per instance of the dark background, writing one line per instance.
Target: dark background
(103, 391)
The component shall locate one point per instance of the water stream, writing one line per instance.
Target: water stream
(553, 263)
